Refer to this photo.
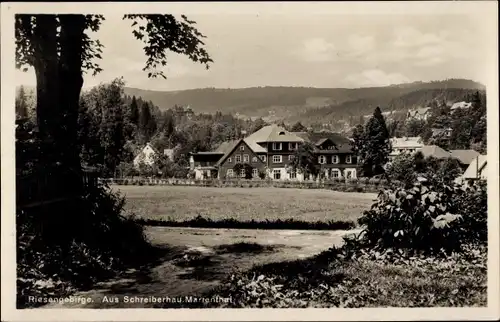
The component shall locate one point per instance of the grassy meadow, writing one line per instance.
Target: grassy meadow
(183, 203)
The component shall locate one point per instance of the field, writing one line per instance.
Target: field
(184, 203)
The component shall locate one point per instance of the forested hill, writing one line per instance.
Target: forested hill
(291, 102)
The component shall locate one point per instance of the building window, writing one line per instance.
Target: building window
(254, 159)
(335, 159)
(229, 160)
(277, 174)
(255, 172)
(277, 146)
(263, 158)
(237, 158)
(293, 174)
(348, 159)
(335, 173)
(291, 157)
(246, 158)
(330, 147)
(292, 146)
(277, 159)
(242, 173)
(242, 148)
(230, 172)
(321, 159)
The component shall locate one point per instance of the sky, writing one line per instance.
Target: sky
(311, 50)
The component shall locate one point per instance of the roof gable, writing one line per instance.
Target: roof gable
(233, 147)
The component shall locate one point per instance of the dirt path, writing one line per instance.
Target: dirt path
(196, 260)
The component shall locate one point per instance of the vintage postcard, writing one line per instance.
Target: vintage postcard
(250, 161)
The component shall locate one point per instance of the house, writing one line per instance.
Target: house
(421, 113)
(477, 170)
(334, 154)
(460, 106)
(405, 145)
(464, 157)
(272, 150)
(441, 136)
(435, 152)
(146, 156)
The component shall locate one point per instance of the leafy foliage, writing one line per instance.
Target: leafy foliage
(425, 217)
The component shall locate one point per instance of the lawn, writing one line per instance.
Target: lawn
(184, 203)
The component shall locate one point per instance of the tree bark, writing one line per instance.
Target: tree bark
(70, 76)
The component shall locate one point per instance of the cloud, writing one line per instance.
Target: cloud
(411, 37)
(317, 50)
(376, 77)
(360, 44)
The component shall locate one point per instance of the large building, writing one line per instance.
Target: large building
(405, 145)
(271, 151)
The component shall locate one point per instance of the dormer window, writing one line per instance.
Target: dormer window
(281, 133)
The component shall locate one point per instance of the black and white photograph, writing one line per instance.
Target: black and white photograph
(252, 155)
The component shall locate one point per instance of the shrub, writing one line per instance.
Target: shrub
(424, 218)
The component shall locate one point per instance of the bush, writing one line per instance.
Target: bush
(77, 242)
(425, 217)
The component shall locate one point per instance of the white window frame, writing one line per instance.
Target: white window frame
(291, 157)
(348, 159)
(263, 158)
(335, 159)
(255, 172)
(229, 160)
(254, 159)
(280, 159)
(293, 174)
(246, 158)
(276, 171)
(292, 146)
(242, 173)
(236, 157)
(338, 172)
(276, 145)
(242, 148)
(230, 173)
(321, 159)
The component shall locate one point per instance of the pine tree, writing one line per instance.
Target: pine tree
(134, 112)
(21, 104)
(375, 149)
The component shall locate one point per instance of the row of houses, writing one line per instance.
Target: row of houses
(271, 151)
(472, 162)
(423, 113)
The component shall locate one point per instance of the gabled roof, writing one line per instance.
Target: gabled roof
(316, 137)
(226, 145)
(478, 164)
(435, 151)
(230, 148)
(271, 133)
(464, 156)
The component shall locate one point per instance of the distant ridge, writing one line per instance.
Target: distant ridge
(309, 104)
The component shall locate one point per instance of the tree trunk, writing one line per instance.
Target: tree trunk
(70, 75)
(58, 69)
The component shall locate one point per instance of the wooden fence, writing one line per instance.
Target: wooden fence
(43, 187)
(356, 185)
